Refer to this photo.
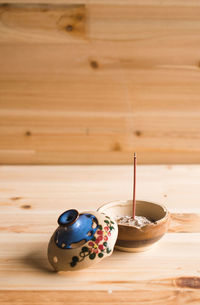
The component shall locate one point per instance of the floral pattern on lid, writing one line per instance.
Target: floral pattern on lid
(98, 246)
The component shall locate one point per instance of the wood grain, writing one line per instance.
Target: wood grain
(31, 199)
(114, 297)
(41, 22)
(91, 82)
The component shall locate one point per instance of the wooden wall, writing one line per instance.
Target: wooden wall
(92, 81)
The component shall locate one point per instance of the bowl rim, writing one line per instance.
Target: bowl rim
(113, 203)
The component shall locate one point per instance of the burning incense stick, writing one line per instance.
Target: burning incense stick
(134, 184)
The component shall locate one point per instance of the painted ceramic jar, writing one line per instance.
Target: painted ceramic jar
(81, 240)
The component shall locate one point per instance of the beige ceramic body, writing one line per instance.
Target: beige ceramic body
(132, 239)
(61, 259)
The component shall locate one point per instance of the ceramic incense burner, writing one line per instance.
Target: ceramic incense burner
(130, 238)
(81, 240)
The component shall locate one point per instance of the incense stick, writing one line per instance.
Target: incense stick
(134, 184)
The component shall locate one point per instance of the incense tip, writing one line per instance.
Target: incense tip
(135, 155)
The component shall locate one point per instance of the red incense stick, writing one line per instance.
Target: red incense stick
(134, 184)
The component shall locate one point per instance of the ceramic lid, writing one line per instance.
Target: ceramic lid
(81, 240)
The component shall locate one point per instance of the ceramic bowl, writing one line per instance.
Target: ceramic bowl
(132, 239)
(81, 240)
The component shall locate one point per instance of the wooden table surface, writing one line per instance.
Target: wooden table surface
(32, 197)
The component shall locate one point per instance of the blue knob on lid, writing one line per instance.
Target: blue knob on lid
(75, 228)
(68, 217)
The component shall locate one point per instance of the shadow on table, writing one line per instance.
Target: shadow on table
(37, 260)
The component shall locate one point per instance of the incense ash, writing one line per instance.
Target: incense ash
(137, 222)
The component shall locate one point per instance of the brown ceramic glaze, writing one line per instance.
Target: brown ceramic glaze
(130, 238)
